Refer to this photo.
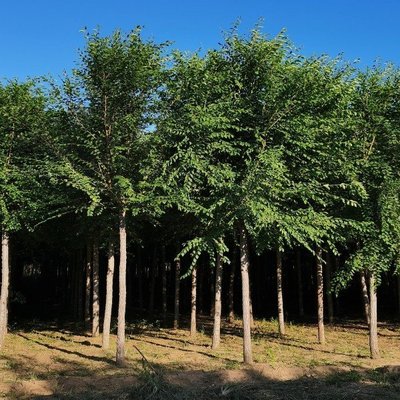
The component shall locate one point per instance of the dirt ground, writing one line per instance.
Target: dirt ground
(49, 362)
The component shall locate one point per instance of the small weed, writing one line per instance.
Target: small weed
(384, 376)
(340, 378)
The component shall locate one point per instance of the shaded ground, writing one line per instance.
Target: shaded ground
(52, 363)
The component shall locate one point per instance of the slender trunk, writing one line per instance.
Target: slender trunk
(398, 294)
(109, 296)
(217, 308)
(373, 326)
(231, 309)
(95, 298)
(152, 282)
(212, 292)
(164, 285)
(193, 327)
(300, 283)
(140, 278)
(200, 280)
(251, 306)
(365, 297)
(320, 296)
(74, 288)
(81, 272)
(244, 268)
(88, 285)
(336, 299)
(122, 291)
(5, 281)
(177, 288)
(329, 296)
(281, 315)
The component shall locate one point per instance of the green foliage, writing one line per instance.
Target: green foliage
(22, 120)
(302, 151)
(253, 132)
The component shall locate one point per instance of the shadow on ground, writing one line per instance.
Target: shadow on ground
(158, 383)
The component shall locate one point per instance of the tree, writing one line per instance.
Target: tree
(109, 102)
(376, 147)
(22, 120)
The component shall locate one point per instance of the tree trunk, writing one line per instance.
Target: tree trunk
(200, 281)
(244, 268)
(365, 297)
(300, 283)
(193, 327)
(373, 326)
(231, 308)
(122, 290)
(5, 282)
(95, 298)
(281, 315)
(212, 292)
(398, 294)
(139, 267)
(177, 288)
(153, 272)
(320, 296)
(329, 297)
(164, 285)
(88, 281)
(81, 273)
(109, 296)
(217, 308)
(251, 306)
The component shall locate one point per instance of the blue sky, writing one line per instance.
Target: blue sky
(39, 37)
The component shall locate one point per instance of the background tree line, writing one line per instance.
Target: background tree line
(168, 166)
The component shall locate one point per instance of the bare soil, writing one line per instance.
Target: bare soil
(47, 362)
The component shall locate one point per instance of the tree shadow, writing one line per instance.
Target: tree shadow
(166, 346)
(62, 338)
(71, 352)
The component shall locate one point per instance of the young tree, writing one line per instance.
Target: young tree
(376, 145)
(22, 121)
(109, 102)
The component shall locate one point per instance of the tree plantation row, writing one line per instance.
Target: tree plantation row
(184, 172)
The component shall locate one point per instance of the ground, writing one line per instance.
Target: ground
(48, 362)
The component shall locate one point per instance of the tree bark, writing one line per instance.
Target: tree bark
(200, 281)
(373, 326)
(244, 269)
(109, 296)
(365, 296)
(96, 298)
(81, 274)
(177, 290)
(281, 315)
(231, 305)
(398, 293)
(139, 267)
(5, 282)
(193, 327)
(164, 285)
(120, 358)
(300, 283)
(152, 282)
(212, 292)
(329, 297)
(217, 308)
(88, 281)
(251, 305)
(320, 296)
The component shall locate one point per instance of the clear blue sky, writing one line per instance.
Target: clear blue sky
(39, 37)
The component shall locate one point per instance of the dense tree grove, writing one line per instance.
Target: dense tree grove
(178, 169)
